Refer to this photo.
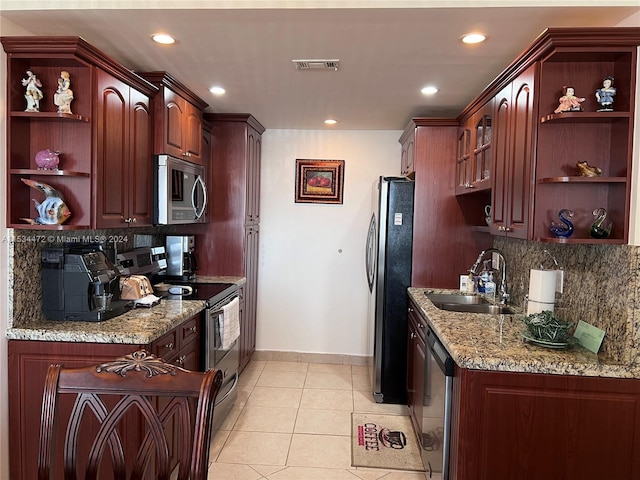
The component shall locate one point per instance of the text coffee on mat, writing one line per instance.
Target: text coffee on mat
(384, 441)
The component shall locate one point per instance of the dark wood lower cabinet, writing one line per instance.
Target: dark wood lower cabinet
(28, 364)
(536, 426)
(416, 350)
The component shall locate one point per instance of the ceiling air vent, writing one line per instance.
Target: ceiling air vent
(317, 64)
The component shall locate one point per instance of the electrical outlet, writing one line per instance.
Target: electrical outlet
(559, 281)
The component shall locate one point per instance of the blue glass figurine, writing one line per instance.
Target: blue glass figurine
(564, 229)
(598, 230)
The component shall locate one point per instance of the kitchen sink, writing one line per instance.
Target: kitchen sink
(476, 308)
(467, 303)
(458, 299)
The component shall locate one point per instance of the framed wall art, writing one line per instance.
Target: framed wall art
(319, 181)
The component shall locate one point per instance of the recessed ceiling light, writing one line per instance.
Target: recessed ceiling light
(217, 90)
(429, 90)
(473, 38)
(163, 38)
(330, 121)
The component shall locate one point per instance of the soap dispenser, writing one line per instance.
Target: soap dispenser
(484, 278)
(490, 286)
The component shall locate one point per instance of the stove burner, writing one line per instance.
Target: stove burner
(210, 292)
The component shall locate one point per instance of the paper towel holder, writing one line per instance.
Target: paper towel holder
(553, 259)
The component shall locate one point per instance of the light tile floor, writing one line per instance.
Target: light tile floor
(292, 421)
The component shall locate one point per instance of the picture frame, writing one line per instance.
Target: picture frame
(319, 181)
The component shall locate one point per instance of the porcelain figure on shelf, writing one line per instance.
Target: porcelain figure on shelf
(569, 102)
(32, 94)
(599, 229)
(64, 95)
(565, 228)
(586, 170)
(605, 95)
(47, 160)
(53, 210)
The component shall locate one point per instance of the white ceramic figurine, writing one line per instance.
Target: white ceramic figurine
(63, 96)
(33, 94)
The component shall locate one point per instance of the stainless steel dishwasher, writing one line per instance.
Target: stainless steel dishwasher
(435, 437)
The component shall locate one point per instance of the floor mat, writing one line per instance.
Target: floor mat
(384, 441)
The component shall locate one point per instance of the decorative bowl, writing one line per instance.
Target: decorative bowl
(546, 327)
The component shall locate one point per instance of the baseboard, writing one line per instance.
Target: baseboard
(274, 355)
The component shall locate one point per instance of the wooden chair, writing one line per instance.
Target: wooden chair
(138, 392)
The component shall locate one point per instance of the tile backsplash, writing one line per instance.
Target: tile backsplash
(25, 290)
(600, 285)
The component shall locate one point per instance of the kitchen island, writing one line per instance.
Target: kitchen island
(523, 411)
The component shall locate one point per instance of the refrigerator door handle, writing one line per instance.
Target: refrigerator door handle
(370, 253)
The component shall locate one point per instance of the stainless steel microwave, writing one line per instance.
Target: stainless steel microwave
(180, 191)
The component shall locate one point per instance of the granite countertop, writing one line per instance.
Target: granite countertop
(137, 326)
(494, 342)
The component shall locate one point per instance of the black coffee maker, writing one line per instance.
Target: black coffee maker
(80, 283)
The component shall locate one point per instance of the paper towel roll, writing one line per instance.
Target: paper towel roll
(542, 286)
(537, 307)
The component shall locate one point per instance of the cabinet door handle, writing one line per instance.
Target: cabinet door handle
(412, 335)
(169, 345)
(420, 326)
(410, 310)
(193, 329)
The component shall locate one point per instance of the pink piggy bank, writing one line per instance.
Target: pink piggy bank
(47, 160)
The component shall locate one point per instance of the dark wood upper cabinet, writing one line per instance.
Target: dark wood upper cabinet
(443, 245)
(179, 116)
(104, 144)
(124, 163)
(513, 137)
(407, 142)
(535, 151)
(473, 153)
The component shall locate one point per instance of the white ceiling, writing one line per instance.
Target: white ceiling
(386, 54)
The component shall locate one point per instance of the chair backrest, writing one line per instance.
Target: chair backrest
(137, 408)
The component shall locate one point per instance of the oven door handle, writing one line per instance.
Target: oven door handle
(234, 379)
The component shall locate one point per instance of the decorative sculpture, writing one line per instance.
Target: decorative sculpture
(586, 170)
(47, 160)
(63, 96)
(53, 210)
(605, 95)
(564, 229)
(32, 94)
(569, 102)
(598, 229)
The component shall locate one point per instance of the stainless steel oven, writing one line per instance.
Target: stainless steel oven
(435, 437)
(227, 360)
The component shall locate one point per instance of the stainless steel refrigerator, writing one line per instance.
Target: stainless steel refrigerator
(388, 265)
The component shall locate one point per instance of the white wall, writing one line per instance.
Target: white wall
(312, 288)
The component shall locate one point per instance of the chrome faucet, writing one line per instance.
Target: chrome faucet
(502, 286)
